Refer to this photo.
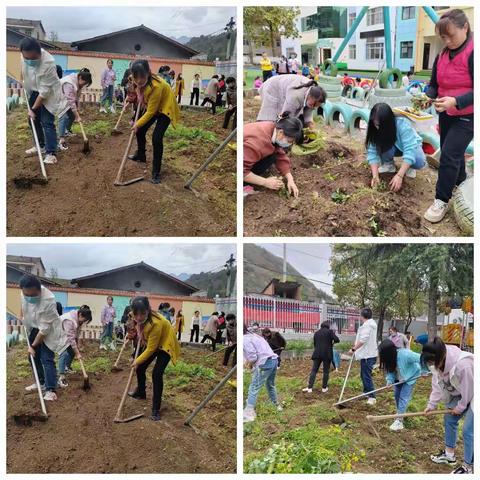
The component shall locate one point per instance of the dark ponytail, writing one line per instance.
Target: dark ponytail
(86, 313)
(311, 83)
(141, 68)
(291, 126)
(85, 75)
(316, 92)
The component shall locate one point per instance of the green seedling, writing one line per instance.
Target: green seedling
(381, 186)
(375, 227)
(284, 193)
(340, 196)
(330, 177)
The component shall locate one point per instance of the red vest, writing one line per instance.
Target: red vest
(454, 78)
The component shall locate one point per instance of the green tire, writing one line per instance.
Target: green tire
(384, 78)
(333, 68)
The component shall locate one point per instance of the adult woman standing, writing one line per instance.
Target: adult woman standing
(108, 83)
(179, 324)
(179, 87)
(266, 66)
(161, 109)
(451, 88)
(161, 345)
(195, 89)
(295, 94)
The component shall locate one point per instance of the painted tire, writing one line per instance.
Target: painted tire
(359, 114)
(463, 206)
(337, 110)
(390, 92)
(358, 93)
(15, 99)
(333, 68)
(9, 104)
(383, 80)
(345, 90)
(328, 87)
(325, 111)
(431, 138)
(324, 80)
(9, 340)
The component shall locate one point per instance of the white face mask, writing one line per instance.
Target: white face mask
(432, 369)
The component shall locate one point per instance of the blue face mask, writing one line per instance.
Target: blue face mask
(32, 300)
(32, 63)
(284, 145)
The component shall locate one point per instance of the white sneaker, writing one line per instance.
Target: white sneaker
(113, 347)
(50, 396)
(62, 383)
(33, 151)
(50, 159)
(249, 414)
(371, 401)
(387, 168)
(436, 211)
(279, 408)
(33, 387)
(411, 173)
(397, 425)
(62, 146)
(325, 390)
(70, 134)
(112, 109)
(103, 346)
(307, 390)
(102, 110)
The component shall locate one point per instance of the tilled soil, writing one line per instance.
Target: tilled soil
(406, 451)
(366, 212)
(80, 436)
(80, 198)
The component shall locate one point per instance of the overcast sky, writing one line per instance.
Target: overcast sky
(78, 23)
(74, 260)
(312, 261)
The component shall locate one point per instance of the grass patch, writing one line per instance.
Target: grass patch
(190, 370)
(99, 364)
(190, 133)
(97, 127)
(299, 346)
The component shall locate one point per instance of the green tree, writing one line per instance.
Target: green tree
(261, 24)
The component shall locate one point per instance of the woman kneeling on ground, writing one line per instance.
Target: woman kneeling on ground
(451, 88)
(161, 109)
(400, 365)
(72, 88)
(452, 384)
(260, 358)
(267, 143)
(72, 323)
(390, 136)
(161, 344)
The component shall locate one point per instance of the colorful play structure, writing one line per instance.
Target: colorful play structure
(459, 331)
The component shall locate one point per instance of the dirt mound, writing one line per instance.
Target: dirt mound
(80, 436)
(81, 200)
(336, 198)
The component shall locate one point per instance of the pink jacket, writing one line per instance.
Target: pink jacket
(108, 77)
(456, 380)
(70, 326)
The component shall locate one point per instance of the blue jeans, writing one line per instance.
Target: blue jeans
(366, 367)
(47, 357)
(44, 126)
(65, 122)
(451, 430)
(403, 394)
(65, 360)
(419, 163)
(264, 374)
(107, 95)
(107, 333)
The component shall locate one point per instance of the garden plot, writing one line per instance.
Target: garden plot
(336, 198)
(80, 198)
(80, 436)
(312, 436)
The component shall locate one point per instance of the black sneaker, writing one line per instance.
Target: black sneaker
(137, 157)
(155, 415)
(442, 457)
(464, 469)
(138, 395)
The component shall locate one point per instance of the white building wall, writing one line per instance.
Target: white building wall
(292, 44)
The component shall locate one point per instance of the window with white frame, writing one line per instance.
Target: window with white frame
(352, 52)
(351, 18)
(406, 49)
(375, 16)
(374, 48)
(408, 13)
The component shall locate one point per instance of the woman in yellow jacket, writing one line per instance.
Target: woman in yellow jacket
(161, 109)
(179, 88)
(161, 344)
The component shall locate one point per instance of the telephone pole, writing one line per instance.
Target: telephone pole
(229, 29)
(229, 265)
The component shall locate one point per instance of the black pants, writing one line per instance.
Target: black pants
(194, 331)
(228, 116)
(264, 164)
(228, 351)
(213, 340)
(279, 359)
(161, 122)
(267, 74)
(157, 376)
(326, 371)
(38, 363)
(179, 335)
(212, 102)
(455, 135)
(195, 94)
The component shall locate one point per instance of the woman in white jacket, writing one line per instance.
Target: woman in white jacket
(44, 328)
(42, 85)
(195, 89)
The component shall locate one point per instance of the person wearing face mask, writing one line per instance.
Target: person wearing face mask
(390, 136)
(42, 85)
(451, 89)
(161, 109)
(161, 345)
(400, 340)
(400, 365)
(266, 144)
(290, 93)
(452, 385)
(44, 330)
